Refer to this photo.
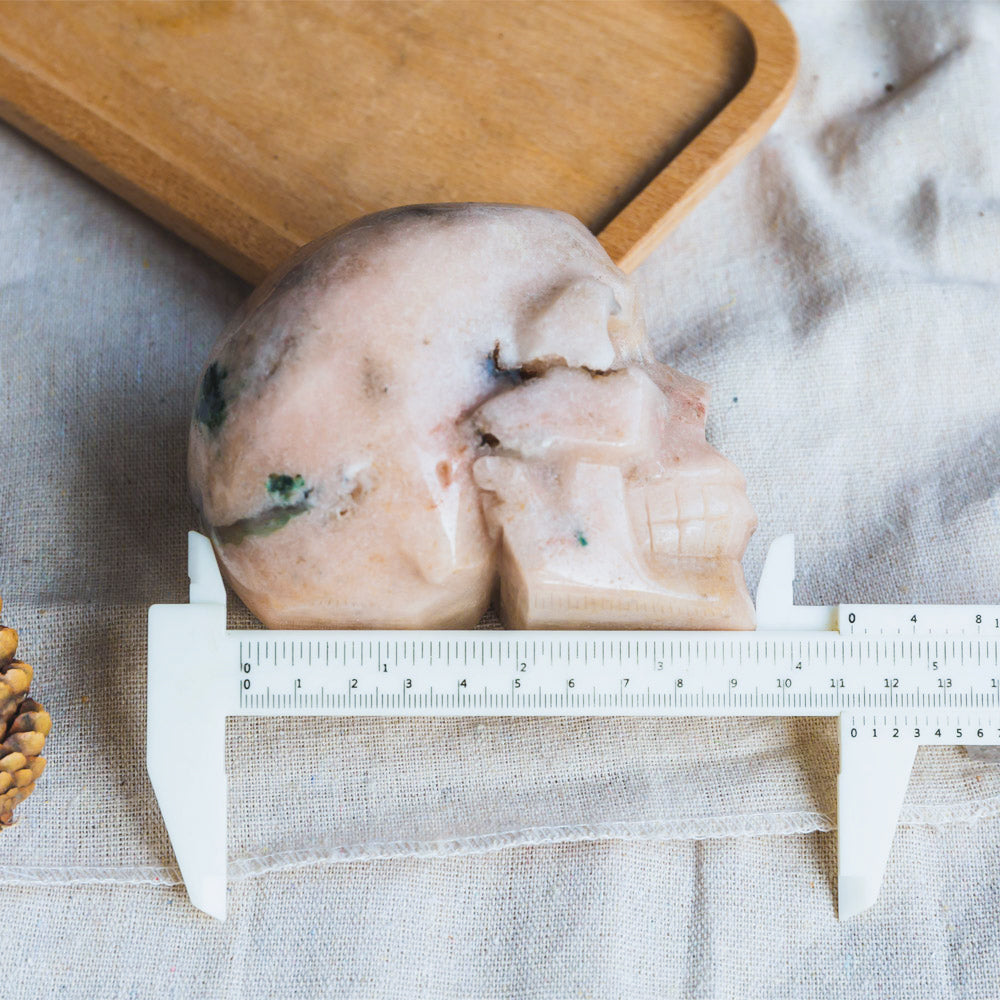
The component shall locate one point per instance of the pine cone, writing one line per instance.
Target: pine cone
(24, 724)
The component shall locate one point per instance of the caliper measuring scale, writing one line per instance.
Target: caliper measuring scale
(895, 676)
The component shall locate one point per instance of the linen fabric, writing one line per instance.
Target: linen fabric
(839, 292)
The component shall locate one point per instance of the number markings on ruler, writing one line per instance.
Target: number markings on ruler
(748, 675)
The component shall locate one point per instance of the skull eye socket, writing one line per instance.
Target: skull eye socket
(568, 325)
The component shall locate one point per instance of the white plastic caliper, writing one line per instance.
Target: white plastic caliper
(896, 676)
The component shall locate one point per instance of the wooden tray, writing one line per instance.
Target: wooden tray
(252, 128)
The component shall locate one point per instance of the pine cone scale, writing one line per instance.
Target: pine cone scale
(13, 762)
(32, 718)
(24, 724)
(8, 645)
(30, 744)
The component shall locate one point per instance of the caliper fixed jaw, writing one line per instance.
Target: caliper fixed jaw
(186, 727)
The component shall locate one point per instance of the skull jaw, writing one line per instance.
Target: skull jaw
(712, 596)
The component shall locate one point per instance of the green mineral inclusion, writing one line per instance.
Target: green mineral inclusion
(291, 498)
(581, 538)
(283, 487)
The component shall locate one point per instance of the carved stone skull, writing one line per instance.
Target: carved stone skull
(435, 398)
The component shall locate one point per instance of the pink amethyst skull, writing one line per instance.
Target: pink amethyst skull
(436, 403)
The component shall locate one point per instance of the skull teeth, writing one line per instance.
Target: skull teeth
(695, 521)
(690, 503)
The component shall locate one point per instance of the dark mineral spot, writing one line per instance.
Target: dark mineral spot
(283, 487)
(422, 211)
(374, 377)
(488, 440)
(496, 371)
(581, 538)
(211, 408)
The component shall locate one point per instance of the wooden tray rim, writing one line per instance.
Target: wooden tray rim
(644, 223)
(85, 138)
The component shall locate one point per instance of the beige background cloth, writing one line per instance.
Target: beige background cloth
(839, 292)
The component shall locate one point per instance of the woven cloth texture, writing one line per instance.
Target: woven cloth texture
(839, 292)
